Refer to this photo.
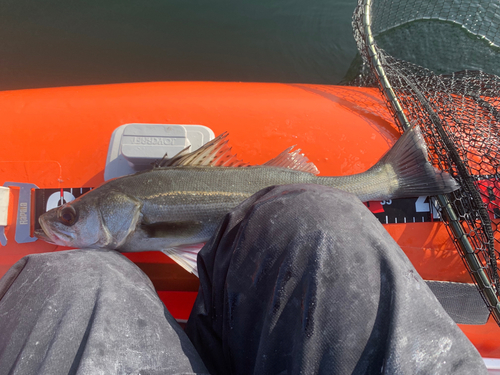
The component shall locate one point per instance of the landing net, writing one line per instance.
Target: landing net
(406, 47)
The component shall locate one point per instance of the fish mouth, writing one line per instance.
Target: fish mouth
(40, 234)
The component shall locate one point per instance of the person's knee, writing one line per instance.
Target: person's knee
(81, 267)
(310, 207)
(289, 221)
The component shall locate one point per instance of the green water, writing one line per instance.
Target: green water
(442, 47)
(67, 42)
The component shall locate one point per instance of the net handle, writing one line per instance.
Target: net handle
(377, 65)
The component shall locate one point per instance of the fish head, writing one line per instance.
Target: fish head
(73, 224)
(98, 219)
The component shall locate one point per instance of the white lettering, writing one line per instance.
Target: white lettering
(155, 141)
(436, 214)
(23, 213)
(421, 205)
(56, 201)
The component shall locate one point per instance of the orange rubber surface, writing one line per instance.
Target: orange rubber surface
(59, 137)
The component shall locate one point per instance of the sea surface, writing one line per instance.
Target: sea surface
(69, 42)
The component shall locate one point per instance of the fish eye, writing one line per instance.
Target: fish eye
(68, 216)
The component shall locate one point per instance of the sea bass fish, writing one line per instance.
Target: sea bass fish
(176, 206)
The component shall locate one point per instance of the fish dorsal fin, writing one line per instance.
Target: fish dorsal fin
(215, 153)
(166, 161)
(293, 159)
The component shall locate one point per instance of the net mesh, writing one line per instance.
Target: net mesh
(409, 50)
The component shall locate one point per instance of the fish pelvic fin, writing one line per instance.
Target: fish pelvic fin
(185, 256)
(416, 176)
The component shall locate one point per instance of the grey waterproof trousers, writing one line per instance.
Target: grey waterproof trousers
(298, 279)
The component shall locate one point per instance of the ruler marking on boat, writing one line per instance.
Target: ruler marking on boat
(399, 211)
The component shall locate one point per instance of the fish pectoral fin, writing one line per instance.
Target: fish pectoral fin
(215, 153)
(185, 256)
(293, 159)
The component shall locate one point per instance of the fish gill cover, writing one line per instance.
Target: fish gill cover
(458, 112)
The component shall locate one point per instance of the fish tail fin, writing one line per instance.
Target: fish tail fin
(185, 256)
(416, 176)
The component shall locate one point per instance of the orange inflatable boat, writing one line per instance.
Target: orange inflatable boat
(56, 145)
